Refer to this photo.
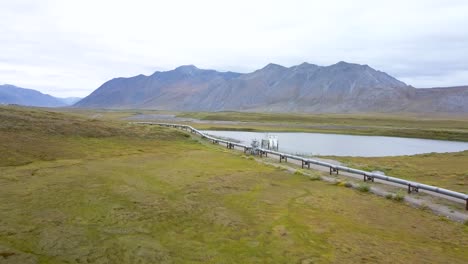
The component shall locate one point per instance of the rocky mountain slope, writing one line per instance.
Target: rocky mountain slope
(342, 87)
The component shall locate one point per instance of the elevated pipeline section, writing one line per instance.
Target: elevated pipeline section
(368, 176)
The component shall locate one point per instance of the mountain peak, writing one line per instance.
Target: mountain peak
(8, 85)
(188, 69)
(305, 65)
(342, 64)
(306, 87)
(273, 66)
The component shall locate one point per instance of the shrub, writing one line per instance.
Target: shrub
(399, 196)
(363, 187)
(348, 185)
(338, 182)
(444, 218)
(389, 196)
(299, 172)
(315, 178)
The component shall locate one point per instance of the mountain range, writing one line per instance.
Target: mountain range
(10, 94)
(338, 88)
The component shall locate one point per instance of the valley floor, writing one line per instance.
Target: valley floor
(80, 190)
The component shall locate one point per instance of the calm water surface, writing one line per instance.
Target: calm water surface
(347, 145)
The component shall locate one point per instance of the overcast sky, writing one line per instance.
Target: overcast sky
(69, 48)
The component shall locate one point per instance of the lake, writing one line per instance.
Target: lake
(346, 145)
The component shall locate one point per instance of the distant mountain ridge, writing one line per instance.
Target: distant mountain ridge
(10, 94)
(338, 88)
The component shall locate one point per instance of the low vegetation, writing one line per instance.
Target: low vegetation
(447, 170)
(78, 190)
(399, 197)
(363, 187)
(315, 178)
(299, 172)
(405, 125)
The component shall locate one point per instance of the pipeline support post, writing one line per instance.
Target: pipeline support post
(283, 158)
(305, 163)
(412, 188)
(368, 178)
(333, 170)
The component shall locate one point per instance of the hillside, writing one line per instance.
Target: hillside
(161, 90)
(339, 88)
(449, 99)
(10, 94)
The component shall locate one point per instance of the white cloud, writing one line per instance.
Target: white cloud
(69, 48)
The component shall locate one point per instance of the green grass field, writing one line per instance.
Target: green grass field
(431, 126)
(447, 170)
(404, 125)
(80, 190)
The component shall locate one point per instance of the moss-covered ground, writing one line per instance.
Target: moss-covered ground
(78, 190)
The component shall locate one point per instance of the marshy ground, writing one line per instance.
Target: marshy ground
(76, 189)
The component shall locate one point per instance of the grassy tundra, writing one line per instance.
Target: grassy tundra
(447, 170)
(405, 125)
(80, 190)
(433, 126)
